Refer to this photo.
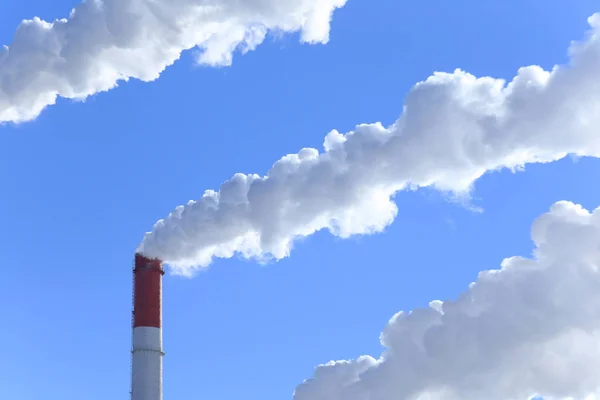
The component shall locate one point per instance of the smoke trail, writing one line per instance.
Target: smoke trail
(453, 129)
(529, 329)
(106, 41)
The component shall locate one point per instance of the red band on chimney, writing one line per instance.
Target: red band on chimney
(147, 292)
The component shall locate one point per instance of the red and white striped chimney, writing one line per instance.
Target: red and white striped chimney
(147, 350)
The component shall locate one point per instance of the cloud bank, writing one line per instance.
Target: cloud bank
(531, 328)
(106, 41)
(453, 129)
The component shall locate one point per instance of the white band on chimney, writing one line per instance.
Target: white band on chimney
(147, 364)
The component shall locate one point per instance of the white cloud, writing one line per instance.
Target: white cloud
(105, 41)
(531, 328)
(453, 129)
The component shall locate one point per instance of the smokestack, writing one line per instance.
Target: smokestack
(147, 350)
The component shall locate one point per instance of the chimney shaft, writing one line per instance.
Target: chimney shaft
(147, 350)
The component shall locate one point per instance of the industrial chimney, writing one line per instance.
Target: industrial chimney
(147, 350)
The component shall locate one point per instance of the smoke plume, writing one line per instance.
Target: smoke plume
(531, 328)
(454, 128)
(106, 41)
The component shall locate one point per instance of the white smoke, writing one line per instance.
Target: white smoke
(529, 329)
(453, 129)
(105, 41)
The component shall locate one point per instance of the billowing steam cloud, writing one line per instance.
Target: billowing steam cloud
(104, 41)
(529, 329)
(454, 128)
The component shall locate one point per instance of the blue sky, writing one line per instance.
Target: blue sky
(84, 181)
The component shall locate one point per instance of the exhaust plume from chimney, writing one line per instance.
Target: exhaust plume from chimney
(104, 42)
(528, 330)
(453, 129)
